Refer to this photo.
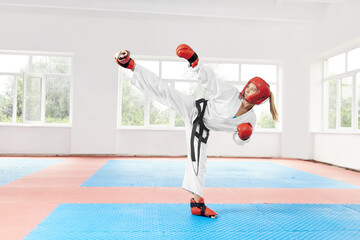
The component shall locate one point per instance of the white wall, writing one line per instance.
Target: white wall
(338, 149)
(339, 32)
(35, 140)
(94, 36)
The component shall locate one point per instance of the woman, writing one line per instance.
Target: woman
(226, 110)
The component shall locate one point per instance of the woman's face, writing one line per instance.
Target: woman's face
(250, 90)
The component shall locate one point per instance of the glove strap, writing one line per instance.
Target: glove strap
(130, 64)
(193, 58)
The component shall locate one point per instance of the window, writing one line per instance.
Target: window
(35, 88)
(137, 110)
(342, 91)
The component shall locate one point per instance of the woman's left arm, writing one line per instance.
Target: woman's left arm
(245, 130)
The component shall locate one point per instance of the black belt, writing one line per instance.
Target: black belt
(199, 135)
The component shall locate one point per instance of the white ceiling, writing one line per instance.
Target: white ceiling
(268, 10)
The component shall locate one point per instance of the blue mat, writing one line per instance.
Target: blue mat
(174, 221)
(117, 173)
(13, 169)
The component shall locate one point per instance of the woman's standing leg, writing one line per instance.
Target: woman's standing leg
(194, 178)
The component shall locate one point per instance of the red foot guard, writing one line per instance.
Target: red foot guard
(184, 51)
(123, 59)
(199, 208)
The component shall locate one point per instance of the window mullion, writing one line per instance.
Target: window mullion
(338, 103)
(24, 97)
(31, 63)
(72, 91)
(324, 120)
(325, 105)
(346, 61)
(43, 97)
(14, 99)
(147, 111)
(120, 94)
(172, 112)
(354, 103)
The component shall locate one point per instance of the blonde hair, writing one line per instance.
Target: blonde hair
(273, 111)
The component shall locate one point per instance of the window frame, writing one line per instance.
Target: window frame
(240, 82)
(43, 77)
(355, 128)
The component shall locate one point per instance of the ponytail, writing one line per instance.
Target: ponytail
(273, 111)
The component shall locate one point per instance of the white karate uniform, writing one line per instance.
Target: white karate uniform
(222, 106)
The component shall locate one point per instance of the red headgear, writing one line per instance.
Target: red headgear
(261, 95)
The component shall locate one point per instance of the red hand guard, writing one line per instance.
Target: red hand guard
(245, 131)
(123, 59)
(185, 51)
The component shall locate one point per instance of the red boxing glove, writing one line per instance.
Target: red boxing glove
(185, 51)
(123, 59)
(245, 131)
